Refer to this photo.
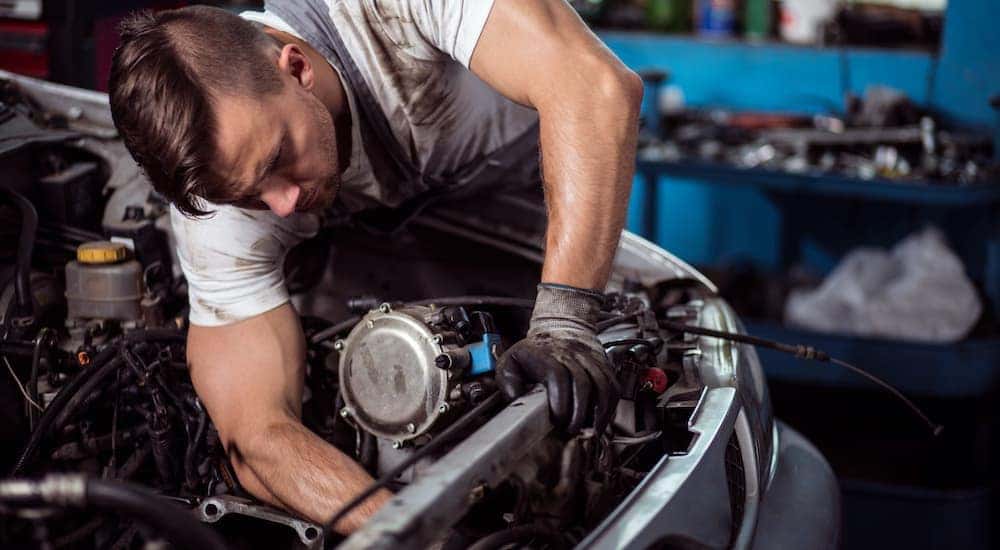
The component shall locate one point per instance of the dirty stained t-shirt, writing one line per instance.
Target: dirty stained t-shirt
(414, 56)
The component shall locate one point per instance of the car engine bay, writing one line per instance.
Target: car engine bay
(93, 344)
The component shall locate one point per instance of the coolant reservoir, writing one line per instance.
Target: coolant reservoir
(103, 283)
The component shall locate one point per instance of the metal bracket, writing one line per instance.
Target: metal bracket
(213, 509)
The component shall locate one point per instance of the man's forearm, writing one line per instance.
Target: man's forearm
(588, 142)
(311, 477)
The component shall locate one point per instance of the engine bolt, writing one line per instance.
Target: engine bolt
(397, 444)
(385, 307)
(443, 408)
(370, 324)
(411, 428)
(338, 345)
(345, 412)
(443, 361)
(437, 339)
(477, 493)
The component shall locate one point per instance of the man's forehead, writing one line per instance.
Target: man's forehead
(244, 128)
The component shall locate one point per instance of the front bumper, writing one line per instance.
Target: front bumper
(801, 508)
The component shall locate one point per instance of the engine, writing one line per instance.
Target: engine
(93, 318)
(402, 370)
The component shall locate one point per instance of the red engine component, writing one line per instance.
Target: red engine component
(655, 379)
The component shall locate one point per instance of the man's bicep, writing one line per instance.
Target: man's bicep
(250, 371)
(532, 50)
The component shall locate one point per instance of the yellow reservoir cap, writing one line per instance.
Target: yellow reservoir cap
(101, 252)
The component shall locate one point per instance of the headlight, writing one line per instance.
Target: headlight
(732, 364)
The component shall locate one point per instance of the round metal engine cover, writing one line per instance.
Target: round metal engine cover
(387, 374)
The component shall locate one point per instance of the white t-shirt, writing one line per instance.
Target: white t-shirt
(414, 56)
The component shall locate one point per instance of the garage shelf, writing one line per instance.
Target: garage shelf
(818, 183)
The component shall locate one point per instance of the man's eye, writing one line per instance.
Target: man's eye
(279, 157)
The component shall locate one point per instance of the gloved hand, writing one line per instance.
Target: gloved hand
(562, 352)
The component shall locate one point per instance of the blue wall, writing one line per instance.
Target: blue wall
(707, 225)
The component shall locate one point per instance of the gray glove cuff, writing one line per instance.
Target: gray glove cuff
(565, 307)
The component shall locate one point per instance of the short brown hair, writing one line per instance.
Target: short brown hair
(169, 66)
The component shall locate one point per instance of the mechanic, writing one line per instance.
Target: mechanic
(259, 127)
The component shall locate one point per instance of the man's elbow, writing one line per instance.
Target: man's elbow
(620, 89)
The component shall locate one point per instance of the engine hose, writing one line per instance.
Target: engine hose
(330, 332)
(73, 394)
(190, 469)
(515, 534)
(160, 335)
(175, 524)
(67, 398)
(25, 247)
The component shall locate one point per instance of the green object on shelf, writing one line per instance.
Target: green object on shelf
(668, 15)
(757, 19)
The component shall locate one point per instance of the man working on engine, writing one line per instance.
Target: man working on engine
(266, 121)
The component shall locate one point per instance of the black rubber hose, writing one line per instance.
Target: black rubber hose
(102, 365)
(43, 339)
(515, 534)
(190, 470)
(175, 524)
(25, 247)
(162, 335)
(330, 332)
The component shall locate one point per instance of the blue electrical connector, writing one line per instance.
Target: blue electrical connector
(483, 357)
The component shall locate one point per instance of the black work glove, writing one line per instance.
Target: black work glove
(562, 352)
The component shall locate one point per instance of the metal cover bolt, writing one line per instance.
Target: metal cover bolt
(345, 412)
(477, 493)
(411, 428)
(385, 308)
(443, 408)
(338, 345)
(397, 444)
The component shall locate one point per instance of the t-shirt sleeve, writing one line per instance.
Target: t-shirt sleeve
(450, 26)
(234, 261)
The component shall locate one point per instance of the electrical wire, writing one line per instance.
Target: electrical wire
(418, 455)
(19, 385)
(806, 352)
(44, 338)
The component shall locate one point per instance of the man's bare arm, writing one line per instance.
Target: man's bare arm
(250, 377)
(540, 54)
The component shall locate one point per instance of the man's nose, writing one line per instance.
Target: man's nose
(281, 198)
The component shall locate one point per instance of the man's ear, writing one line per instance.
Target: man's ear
(293, 61)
